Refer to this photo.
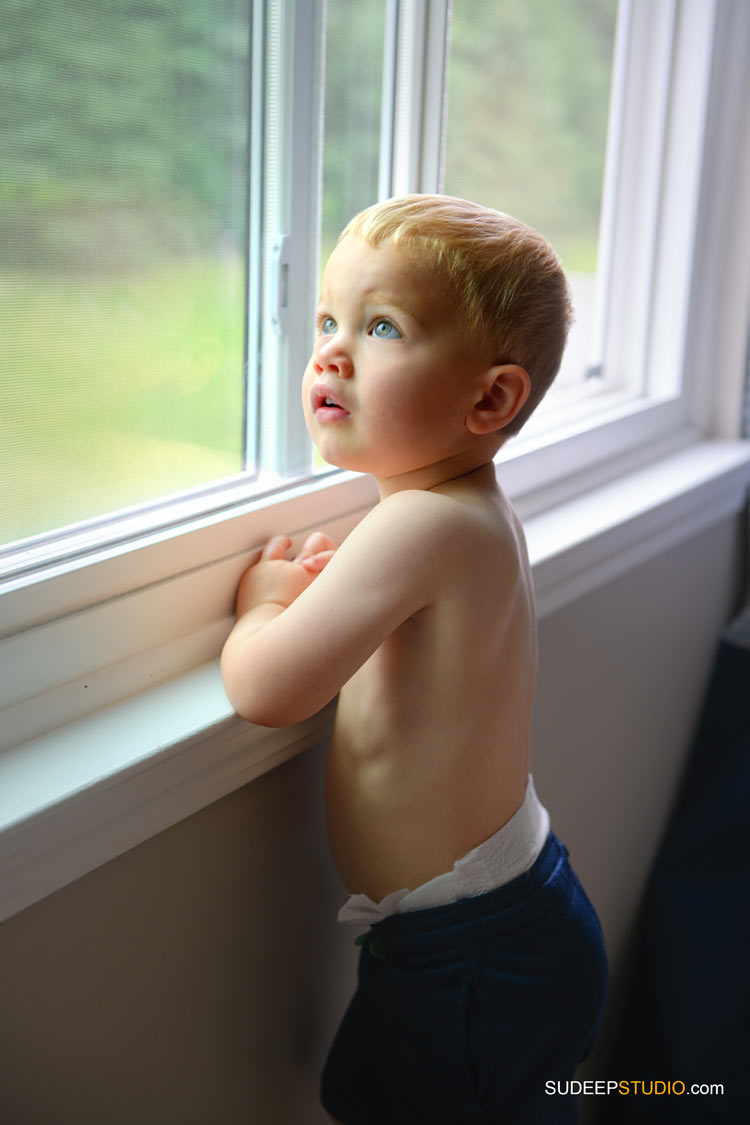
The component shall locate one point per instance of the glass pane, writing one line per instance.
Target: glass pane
(353, 95)
(122, 253)
(355, 31)
(528, 101)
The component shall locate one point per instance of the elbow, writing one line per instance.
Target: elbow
(258, 700)
(263, 713)
(260, 712)
(249, 708)
(247, 701)
(259, 718)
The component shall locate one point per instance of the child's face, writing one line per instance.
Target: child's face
(392, 376)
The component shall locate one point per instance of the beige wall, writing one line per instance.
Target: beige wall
(197, 979)
(621, 682)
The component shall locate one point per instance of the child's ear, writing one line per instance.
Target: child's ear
(504, 391)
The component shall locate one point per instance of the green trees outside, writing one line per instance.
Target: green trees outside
(528, 102)
(126, 119)
(353, 92)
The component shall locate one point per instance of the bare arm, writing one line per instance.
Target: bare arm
(300, 637)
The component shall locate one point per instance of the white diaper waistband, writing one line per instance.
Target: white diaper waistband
(512, 850)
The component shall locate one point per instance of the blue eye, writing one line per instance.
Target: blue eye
(383, 330)
(327, 326)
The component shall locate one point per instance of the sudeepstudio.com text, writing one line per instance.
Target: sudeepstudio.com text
(634, 1087)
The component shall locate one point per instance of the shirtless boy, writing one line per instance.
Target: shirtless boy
(482, 975)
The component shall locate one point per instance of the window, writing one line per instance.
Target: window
(209, 149)
(123, 224)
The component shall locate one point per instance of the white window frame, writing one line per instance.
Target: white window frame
(99, 647)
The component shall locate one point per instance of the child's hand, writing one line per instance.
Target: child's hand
(317, 551)
(273, 579)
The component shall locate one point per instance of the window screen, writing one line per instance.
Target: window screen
(123, 202)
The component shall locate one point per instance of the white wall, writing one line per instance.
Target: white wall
(197, 979)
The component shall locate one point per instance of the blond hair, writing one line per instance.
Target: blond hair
(504, 277)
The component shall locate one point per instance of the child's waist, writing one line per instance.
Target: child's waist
(510, 852)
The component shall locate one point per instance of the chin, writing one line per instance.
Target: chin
(350, 464)
(338, 458)
(333, 459)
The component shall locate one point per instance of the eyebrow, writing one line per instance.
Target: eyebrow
(373, 296)
(383, 297)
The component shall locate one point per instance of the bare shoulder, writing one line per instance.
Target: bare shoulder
(420, 523)
(466, 533)
(424, 511)
(411, 516)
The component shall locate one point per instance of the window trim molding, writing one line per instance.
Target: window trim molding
(639, 120)
(293, 132)
(718, 339)
(419, 93)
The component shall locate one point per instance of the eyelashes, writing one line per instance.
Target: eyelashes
(385, 329)
(381, 328)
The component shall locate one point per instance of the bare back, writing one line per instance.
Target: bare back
(430, 751)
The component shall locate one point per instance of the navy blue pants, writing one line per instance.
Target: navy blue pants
(464, 1012)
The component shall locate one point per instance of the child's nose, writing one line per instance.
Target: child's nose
(333, 357)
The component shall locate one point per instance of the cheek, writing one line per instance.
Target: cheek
(308, 378)
(307, 381)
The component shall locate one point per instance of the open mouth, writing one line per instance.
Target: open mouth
(325, 406)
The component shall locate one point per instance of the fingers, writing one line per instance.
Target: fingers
(317, 550)
(315, 563)
(275, 548)
(317, 541)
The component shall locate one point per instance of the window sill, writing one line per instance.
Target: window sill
(78, 796)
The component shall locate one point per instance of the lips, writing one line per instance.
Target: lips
(326, 405)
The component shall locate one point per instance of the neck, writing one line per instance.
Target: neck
(433, 476)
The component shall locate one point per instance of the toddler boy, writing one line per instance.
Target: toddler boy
(482, 975)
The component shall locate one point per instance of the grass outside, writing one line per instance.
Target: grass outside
(114, 391)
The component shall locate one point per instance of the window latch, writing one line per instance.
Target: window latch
(280, 285)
